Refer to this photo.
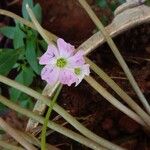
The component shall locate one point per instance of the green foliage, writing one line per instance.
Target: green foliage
(36, 10)
(102, 3)
(23, 57)
(7, 60)
(25, 77)
(31, 54)
(109, 5)
(24, 11)
(8, 31)
(18, 38)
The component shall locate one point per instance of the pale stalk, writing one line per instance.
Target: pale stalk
(12, 132)
(113, 100)
(33, 140)
(62, 112)
(116, 52)
(9, 146)
(74, 122)
(60, 129)
(110, 82)
(119, 91)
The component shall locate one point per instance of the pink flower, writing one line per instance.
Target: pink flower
(63, 64)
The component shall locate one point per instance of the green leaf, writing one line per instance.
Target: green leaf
(37, 10)
(102, 3)
(18, 38)
(112, 6)
(24, 11)
(8, 60)
(122, 1)
(26, 101)
(24, 77)
(43, 44)
(31, 55)
(8, 31)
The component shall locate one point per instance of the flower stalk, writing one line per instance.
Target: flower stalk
(52, 103)
(33, 140)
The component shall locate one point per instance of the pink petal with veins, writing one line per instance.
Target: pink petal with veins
(51, 53)
(50, 74)
(67, 77)
(65, 49)
(77, 60)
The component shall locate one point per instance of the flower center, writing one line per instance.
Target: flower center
(61, 62)
(77, 71)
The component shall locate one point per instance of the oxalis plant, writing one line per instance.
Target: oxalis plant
(63, 64)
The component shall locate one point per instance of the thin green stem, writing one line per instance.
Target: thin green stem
(116, 52)
(79, 138)
(33, 140)
(12, 132)
(43, 136)
(62, 112)
(9, 146)
(119, 91)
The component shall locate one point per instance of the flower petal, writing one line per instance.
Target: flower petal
(66, 76)
(85, 70)
(65, 49)
(77, 60)
(50, 74)
(48, 55)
